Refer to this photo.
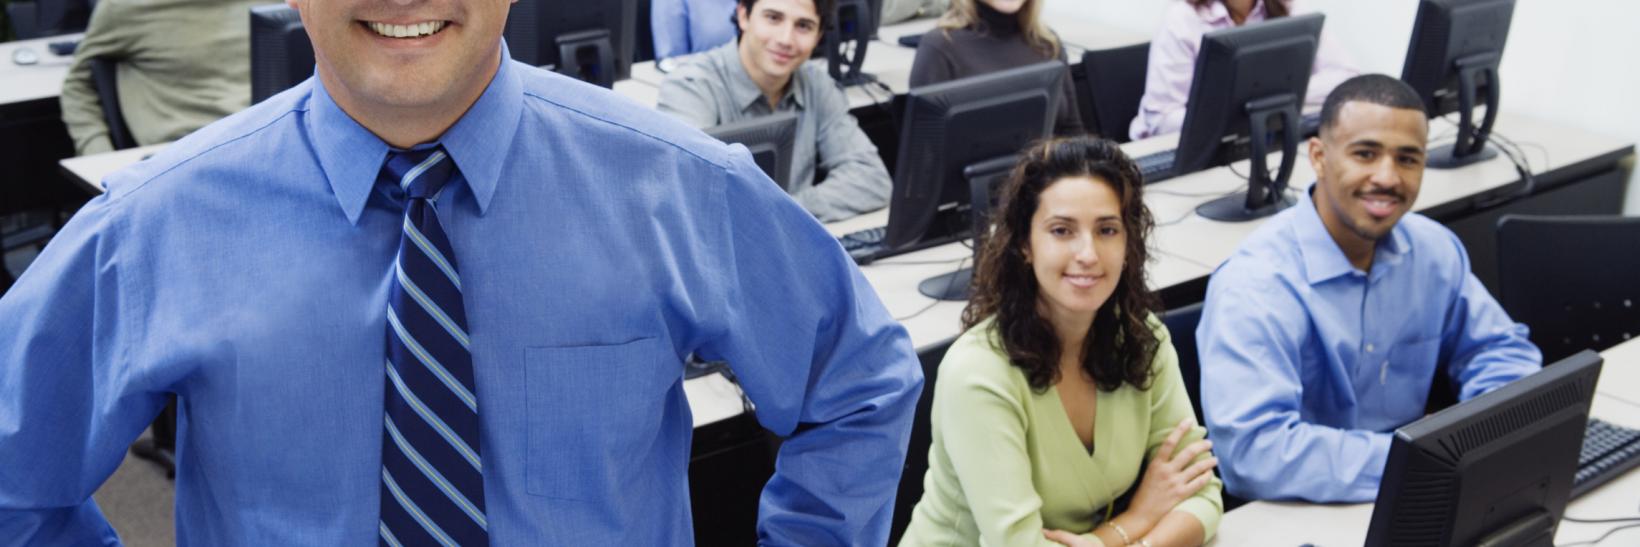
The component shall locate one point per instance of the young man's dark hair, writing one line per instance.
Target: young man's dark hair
(826, 8)
(1370, 88)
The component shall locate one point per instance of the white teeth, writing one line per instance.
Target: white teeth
(406, 31)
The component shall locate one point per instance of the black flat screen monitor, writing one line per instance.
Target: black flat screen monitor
(769, 138)
(952, 126)
(51, 17)
(592, 40)
(1452, 63)
(1495, 470)
(1248, 88)
(281, 54)
(852, 27)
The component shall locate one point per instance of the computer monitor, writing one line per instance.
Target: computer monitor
(592, 40)
(950, 127)
(1248, 88)
(1495, 470)
(852, 27)
(51, 17)
(281, 54)
(1452, 63)
(769, 138)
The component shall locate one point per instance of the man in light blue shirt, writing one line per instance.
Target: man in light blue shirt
(247, 268)
(681, 27)
(1325, 330)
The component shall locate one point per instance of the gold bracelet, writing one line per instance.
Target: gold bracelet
(1120, 532)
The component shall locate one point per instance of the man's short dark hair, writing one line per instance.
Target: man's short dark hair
(823, 8)
(1368, 88)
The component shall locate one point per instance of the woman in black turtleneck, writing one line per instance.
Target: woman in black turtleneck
(980, 36)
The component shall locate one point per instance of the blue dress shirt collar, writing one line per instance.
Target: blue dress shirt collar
(351, 155)
(1323, 260)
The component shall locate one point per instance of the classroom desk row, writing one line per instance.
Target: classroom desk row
(891, 62)
(1187, 247)
(1617, 400)
(42, 80)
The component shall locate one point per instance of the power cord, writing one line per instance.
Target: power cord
(1635, 523)
(949, 282)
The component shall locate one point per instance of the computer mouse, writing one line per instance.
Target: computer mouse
(25, 56)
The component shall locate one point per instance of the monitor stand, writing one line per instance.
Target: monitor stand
(588, 56)
(853, 18)
(983, 179)
(1536, 529)
(1266, 195)
(1471, 144)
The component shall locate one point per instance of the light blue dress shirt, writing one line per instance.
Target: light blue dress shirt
(246, 269)
(1309, 364)
(682, 27)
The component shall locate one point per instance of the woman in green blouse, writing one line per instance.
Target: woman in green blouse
(1031, 444)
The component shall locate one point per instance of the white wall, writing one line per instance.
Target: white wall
(1566, 60)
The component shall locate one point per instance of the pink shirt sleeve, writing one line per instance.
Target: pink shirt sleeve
(1333, 65)
(1173, 65)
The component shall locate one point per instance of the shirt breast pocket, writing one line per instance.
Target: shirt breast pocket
(590, 408)
(1407, 376)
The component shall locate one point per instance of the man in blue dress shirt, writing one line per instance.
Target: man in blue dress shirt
(1324, 331)
(247, 268)
(681, 27)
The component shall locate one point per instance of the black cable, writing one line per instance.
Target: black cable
(1601, 521)
(948, 283)
(1596, 541)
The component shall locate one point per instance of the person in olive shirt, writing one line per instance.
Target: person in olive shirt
(764, 72)
(981, 36)
(1065, 384)
(182, 65)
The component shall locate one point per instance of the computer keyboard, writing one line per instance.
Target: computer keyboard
(1608, 451)
(864, 245)
(63, 48)
(1157, 166)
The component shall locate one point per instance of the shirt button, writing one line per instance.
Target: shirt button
(1369, 348)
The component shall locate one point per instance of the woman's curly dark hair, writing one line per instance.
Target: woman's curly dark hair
(1119, 348)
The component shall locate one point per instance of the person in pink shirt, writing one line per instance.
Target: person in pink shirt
(1173, 59)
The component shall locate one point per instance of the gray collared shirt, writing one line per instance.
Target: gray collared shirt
(713, 89)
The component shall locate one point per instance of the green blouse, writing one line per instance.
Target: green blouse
(1005, 462)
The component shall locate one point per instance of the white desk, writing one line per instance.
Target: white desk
(42, 80)
(1077, 36)
(1190, 249)
(891, 62)
(89, 171)
(1285, 523)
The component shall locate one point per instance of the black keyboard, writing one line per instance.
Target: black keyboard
(1157, 166)
(63, 48)
(1608, 451)
(864, 245)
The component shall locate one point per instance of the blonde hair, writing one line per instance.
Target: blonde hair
(965, 14)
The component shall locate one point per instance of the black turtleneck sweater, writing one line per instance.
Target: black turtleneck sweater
(994, 43)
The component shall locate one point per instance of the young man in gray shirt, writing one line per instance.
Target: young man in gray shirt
(763, 73)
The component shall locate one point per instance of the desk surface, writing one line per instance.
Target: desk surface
(891, 62)
(42, 80)
(1187, 247)
(1285, 523)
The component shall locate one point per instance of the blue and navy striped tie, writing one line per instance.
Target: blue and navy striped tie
(432, 477)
